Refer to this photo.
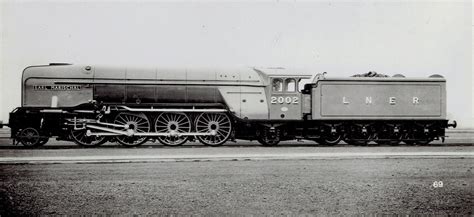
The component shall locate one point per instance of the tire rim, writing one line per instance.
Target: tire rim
(29, 137)
(136, 123)
(80, 137)
(218, 125)
(173, 123)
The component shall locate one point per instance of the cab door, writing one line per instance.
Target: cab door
(285, 100)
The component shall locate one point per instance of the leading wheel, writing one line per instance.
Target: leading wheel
(174, 124)
(135, 123)
(217, 125)
(29, 137)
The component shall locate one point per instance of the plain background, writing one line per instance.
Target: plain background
(414, 38)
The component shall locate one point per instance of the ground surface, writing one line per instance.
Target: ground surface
(242, 178)
(295, 181)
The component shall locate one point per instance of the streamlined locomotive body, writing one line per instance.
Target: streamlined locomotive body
(92, 105)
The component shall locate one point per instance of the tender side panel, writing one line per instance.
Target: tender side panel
(368, 100)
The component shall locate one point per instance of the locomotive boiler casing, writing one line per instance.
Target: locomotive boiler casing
(379, 99)
(242, 91)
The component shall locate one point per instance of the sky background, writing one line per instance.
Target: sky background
(414, 38)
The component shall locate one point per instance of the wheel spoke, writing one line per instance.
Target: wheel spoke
(140, 124)
(164, 124)
(218, 122)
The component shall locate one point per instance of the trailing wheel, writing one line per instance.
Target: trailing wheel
(268, 137)
(29, 137)
(268, 142)
(135, 123)
(330, 140)
(331, 136)
(219, 125)
(174, 124)
(81, 138)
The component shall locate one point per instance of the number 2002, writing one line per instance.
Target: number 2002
(281, 100)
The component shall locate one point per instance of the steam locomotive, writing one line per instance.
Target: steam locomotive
(91, 105)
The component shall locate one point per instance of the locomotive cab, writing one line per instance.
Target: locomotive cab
(286, 97)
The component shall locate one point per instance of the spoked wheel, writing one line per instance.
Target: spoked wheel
(174, 124)
(218, 125)
(29, 137)
(80, 137)
(136, 123)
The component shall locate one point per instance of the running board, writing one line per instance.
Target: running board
(171, 110)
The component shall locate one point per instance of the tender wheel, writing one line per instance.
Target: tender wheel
(80, 137)
(173, 123)
(360, 134)
(136, 123)
(417, 136)
(218, 125)
(424, 141)
(29, 137)
(390, 134)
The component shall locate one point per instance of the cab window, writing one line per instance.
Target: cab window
(277, 85)
(302, 82)
(290, 84)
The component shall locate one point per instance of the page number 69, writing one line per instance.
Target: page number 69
(438, 184)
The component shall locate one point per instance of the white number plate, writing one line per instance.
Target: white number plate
(284, 99)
